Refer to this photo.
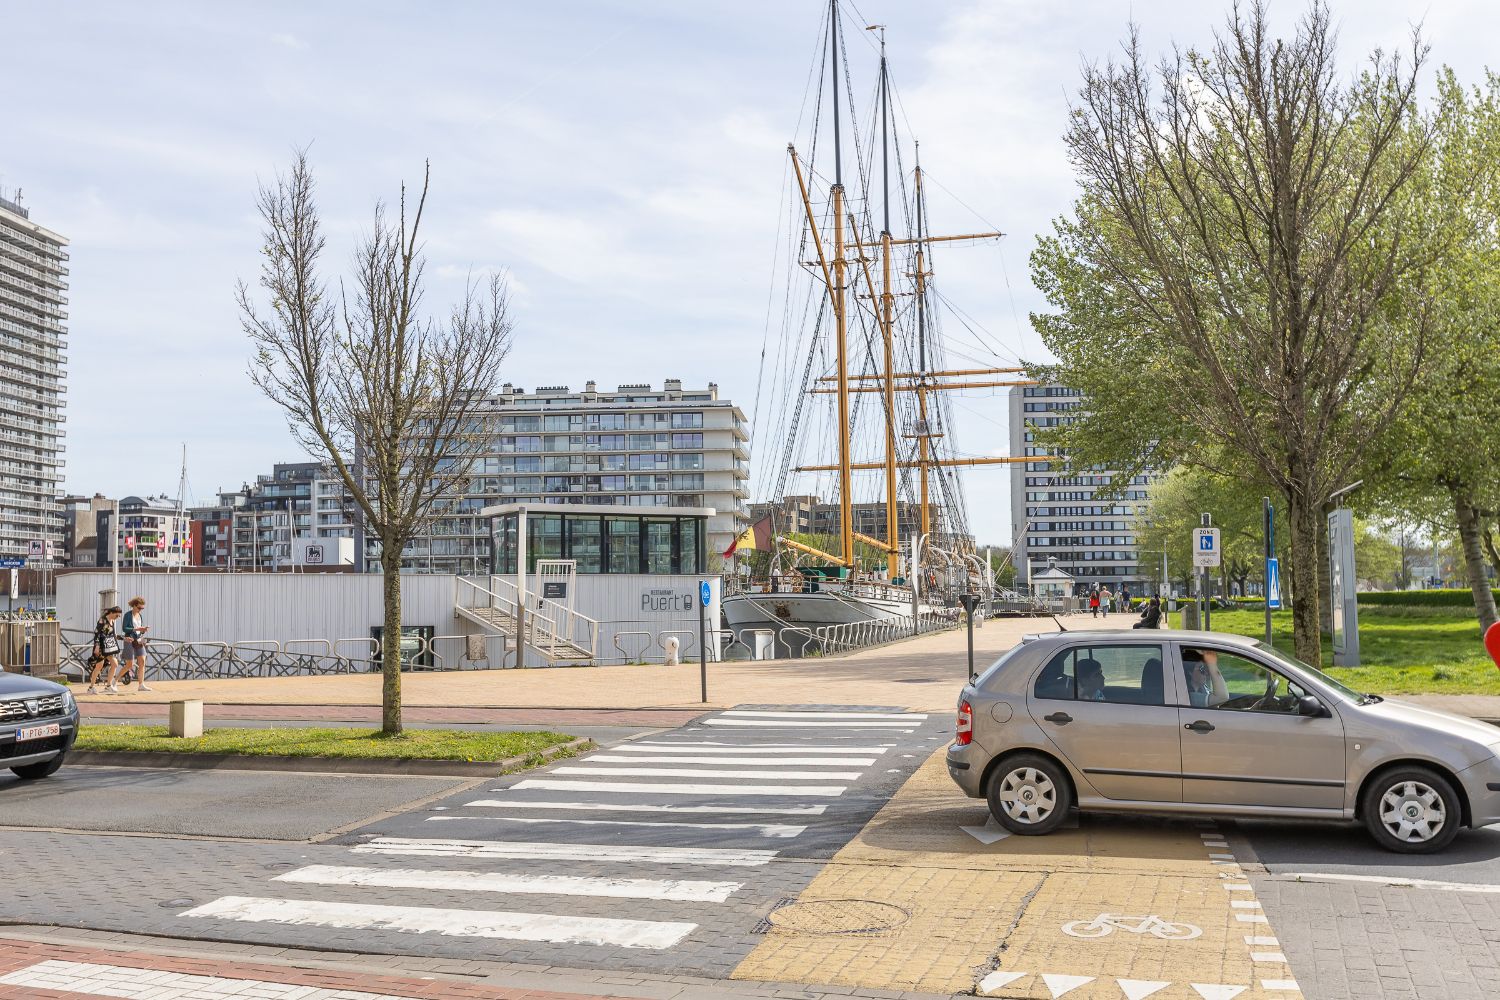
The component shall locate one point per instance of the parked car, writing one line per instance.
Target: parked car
(1212, 724)
(38, 724)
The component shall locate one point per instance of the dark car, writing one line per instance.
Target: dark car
(38, 724)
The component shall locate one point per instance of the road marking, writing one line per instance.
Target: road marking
(667, 788)
(1060, 985)
(1395, 881)
(1238, 886)
(1278, 984)
(1222, 857)
(678, 890)
(905, 727)
(127, 981)
(1244, 904)
(997, 979)
(780, 830)
(990, 833)
(1251, 918)
(565, 852)
(698, 772)
(1264, 941)
(1267, 956)
(904, 716)
(504, 924)
(1218, 991)
(733, 748)
(610, 758)
(815, 810)
(1139, 989)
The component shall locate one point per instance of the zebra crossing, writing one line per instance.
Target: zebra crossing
(674, 845)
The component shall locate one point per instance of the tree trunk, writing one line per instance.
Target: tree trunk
(1489, 547)
(390, 639)
(1307, 633)
(1325, 608)
(1474, 565)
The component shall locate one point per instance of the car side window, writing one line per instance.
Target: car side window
(1127, 674)
(1248, 686)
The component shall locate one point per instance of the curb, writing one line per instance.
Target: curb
(322, 765)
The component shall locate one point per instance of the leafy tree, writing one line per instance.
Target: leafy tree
(1176, 503)
(1445, 451)
(1240, 271)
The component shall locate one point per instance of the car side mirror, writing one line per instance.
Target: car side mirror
(1310, 706)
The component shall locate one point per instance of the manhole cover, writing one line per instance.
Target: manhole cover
(837, 916)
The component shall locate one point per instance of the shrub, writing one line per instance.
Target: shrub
(1449, 598)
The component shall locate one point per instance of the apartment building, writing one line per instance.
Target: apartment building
(33, 338)
(296, 500)
(80, 521)
(151, 533)
(1059, 517)
(634, 446)
(213, 529)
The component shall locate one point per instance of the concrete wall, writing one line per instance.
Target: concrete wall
(245, 607)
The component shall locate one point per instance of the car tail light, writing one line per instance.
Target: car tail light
(965, 730)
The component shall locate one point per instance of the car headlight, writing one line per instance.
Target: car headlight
(68, 703)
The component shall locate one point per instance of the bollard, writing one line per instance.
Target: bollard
(185, 718)
(1190, 616)
(671, 644)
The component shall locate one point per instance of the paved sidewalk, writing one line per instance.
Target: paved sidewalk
(299, 974)
(665, 718)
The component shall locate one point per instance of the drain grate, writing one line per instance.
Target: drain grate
(833, 917)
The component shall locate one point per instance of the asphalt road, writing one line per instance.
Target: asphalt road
(219, 803)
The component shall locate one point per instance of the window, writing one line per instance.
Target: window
(694, 440)
(1220, 680)
(543, 538)
(584, 543)
(624, 544)
(659, 546)
(1122, 674)
(680, 420)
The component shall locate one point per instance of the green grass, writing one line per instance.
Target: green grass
(426, 744)
(1403, 649)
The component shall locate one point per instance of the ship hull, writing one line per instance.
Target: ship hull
(787, 614)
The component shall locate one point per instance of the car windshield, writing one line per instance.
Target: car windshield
(1343, 689)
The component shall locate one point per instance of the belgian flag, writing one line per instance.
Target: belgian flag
(757, 536)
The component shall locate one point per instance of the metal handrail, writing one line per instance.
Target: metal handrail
(623, 653)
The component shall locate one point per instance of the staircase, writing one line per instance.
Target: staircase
(559, 635)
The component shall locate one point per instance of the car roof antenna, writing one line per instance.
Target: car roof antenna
(1060, 626)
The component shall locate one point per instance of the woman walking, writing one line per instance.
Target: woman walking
(135, 643)
(106, 652)
(1094, 603)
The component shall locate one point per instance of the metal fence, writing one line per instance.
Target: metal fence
(167, 659)
(842, 638)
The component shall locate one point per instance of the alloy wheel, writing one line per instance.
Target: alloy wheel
(1027, 795)
(1413, 812)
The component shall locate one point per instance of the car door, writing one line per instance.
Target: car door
(1243, 741)
(1121, 736)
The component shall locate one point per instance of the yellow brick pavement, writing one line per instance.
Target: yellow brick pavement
(977, 909)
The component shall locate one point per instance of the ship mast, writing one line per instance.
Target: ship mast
(887, 300)
(841, 319)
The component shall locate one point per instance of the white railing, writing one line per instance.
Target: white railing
(846, 636)
(547, 621)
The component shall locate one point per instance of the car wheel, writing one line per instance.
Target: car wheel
(1411, 810)
(1029, 794)
(41, 769)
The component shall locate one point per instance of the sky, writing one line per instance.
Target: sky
(622, 162)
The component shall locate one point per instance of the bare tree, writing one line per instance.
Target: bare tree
(1246, 245)
(383, 394)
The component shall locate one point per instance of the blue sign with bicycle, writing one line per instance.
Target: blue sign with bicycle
(1273, 584)
(705, 593)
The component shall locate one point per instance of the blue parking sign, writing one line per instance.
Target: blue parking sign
(1273, 584)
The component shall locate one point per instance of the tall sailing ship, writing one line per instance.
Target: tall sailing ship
(861, 334)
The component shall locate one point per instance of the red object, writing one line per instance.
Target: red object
(1492, 642)
(965, 731)
(130, 541)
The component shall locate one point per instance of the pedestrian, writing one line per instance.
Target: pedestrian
(135, 643)
(1106, 600)
(1150, 615)
(1125, 599)
(1094, 603)
(106, 653)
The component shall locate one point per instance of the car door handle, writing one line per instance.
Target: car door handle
(1200, 726)
(1061, 718)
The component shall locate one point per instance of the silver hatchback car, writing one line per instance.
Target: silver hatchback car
(1212, 724)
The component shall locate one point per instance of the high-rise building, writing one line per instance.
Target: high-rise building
(297, 500)
(33, 315)
(1058, 517)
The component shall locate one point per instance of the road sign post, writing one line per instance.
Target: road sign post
(970, 602)
(1207, 554)
(705, 594)
(1271, 568)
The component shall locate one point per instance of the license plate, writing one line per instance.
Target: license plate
(38, 732)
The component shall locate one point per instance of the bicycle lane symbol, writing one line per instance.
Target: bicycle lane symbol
(1107, 923)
